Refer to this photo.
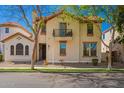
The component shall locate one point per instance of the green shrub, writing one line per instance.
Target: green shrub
(95, 62)
(1, 57)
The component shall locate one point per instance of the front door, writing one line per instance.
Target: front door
(42, 52)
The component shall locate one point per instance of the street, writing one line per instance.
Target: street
(61, 80)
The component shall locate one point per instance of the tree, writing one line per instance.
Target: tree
(120, 20)
(110, 15)
(120, 25)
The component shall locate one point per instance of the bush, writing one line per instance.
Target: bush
(1, 57)
(95, 62)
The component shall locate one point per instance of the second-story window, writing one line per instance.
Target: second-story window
(6, 30)
(103, 36)
(62, 29)
(90, 29)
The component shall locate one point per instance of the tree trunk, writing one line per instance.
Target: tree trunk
(34, 52)
(110, 57)
(110, 49)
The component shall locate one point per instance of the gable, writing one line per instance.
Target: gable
(17, 36)
(63, 18)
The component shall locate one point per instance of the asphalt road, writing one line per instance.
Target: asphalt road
(61, 80)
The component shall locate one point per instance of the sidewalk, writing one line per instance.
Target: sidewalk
(39, 65)
(59, 65)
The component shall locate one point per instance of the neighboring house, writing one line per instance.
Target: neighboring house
(63, 39)
(16, 42)
(117, 50)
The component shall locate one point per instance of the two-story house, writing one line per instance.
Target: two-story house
(70, 39)
(65, 38)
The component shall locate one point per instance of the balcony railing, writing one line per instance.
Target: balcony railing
(62, 32)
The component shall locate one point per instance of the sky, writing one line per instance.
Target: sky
(11, 14)
(105, 26)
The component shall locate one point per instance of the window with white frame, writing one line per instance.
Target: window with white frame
(90, 49)
(11, 50)
(26, 50)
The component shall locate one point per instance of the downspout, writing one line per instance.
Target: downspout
(79, 39)
(52, 48)
(36, 51)
(0, 39)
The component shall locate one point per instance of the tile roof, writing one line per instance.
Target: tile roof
(14, 24)
(83, 18)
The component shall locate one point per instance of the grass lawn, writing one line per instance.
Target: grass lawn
(61, 70)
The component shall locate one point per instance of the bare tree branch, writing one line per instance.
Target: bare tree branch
(26, 19)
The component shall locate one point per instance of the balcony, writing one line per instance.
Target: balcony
(62, 34)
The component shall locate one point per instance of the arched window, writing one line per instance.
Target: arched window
(11, 50)
(19, 49)
(26, 50)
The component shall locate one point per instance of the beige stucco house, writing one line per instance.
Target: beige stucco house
(16, 43)
(117, 49)
(69, 40)
(64, 39)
